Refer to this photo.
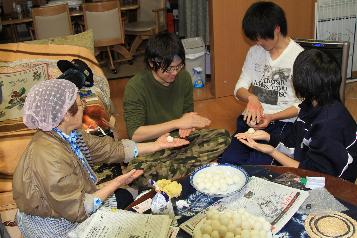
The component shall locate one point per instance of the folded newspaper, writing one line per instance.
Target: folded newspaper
(112, 223)
(275, 202)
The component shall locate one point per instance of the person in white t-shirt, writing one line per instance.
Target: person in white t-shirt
(265, 82)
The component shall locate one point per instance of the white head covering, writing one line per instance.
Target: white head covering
(47, 103)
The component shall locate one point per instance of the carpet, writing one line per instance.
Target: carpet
(124, 69)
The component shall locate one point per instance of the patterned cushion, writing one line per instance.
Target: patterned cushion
(84, 39)
(16, 79)
(51, 54)
(6, 201)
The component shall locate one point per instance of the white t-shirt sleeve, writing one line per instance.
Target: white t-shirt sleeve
(245, 79)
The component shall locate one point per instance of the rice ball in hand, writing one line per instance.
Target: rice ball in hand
(170, 139)
(251, 131)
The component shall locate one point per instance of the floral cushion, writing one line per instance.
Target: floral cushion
(16, 79)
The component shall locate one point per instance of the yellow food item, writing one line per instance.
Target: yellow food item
(162, 183)
(171, 188)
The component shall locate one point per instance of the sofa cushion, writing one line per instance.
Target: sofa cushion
(6, 201)
(84, 39)
(5, 184)
(51, 54)
(16, 79)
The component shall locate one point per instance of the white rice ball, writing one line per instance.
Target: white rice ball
(170, 139)
(251, 131)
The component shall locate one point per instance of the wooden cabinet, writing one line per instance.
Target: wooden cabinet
(229, 46)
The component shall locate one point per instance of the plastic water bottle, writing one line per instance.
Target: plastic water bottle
(197, 78)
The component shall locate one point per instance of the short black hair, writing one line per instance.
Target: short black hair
(161, 50)
(317, 76)
(261, 19)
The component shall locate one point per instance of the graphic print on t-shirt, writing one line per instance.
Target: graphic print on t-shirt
(272, 85)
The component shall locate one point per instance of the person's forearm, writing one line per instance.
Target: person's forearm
(285, 114)
(107, 190)
(148, 147)
(284, 159)
(144, 133)
(243, 94)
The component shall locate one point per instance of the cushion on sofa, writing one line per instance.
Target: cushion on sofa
(84, 39)
(51, 54)
(16, 79)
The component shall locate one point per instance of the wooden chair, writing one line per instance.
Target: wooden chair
(104, 18)
(149, 22)
(51, 21)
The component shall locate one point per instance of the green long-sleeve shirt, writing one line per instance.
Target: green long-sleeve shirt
(148, 102)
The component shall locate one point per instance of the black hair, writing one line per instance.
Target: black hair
(73, 109)
(161, 50)
(261, 19)
(75, 76)
(317, 77)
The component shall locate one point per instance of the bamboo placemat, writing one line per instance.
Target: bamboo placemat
(331, 225)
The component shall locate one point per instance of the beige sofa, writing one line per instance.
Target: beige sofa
(23, 64)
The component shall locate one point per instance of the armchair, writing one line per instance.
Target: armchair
(104, 18)
(51, 21)
(151, 19)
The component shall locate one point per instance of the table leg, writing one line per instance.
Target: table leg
(14, 32)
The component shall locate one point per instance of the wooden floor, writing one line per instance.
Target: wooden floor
(221, 111)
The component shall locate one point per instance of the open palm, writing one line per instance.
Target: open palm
(265, 148)
(257, 135)
(164, 144)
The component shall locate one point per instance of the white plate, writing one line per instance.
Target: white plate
(219, 180)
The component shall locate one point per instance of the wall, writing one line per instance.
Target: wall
(229, 45)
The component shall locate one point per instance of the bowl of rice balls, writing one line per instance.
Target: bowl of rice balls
(219, 180)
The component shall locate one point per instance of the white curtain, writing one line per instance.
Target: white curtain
(336, 20)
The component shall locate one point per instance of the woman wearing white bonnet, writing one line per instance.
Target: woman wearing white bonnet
(54, 186)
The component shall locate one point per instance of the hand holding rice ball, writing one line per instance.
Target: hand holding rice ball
(170, 139)
(251, 131)
(252, 123)
(232, 224)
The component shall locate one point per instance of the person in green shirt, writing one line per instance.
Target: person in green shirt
(159, 100)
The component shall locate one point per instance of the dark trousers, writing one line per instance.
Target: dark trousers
(240, 154)
(123, 197)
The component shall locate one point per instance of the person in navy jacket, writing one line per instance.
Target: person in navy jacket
(323, 137)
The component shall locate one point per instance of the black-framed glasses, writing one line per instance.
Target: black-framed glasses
(176, 68)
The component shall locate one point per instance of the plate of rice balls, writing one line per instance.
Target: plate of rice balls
(219, 180)
(231, 224)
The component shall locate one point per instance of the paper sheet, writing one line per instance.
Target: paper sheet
(111, 223)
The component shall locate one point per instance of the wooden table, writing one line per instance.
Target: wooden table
(339, 188)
